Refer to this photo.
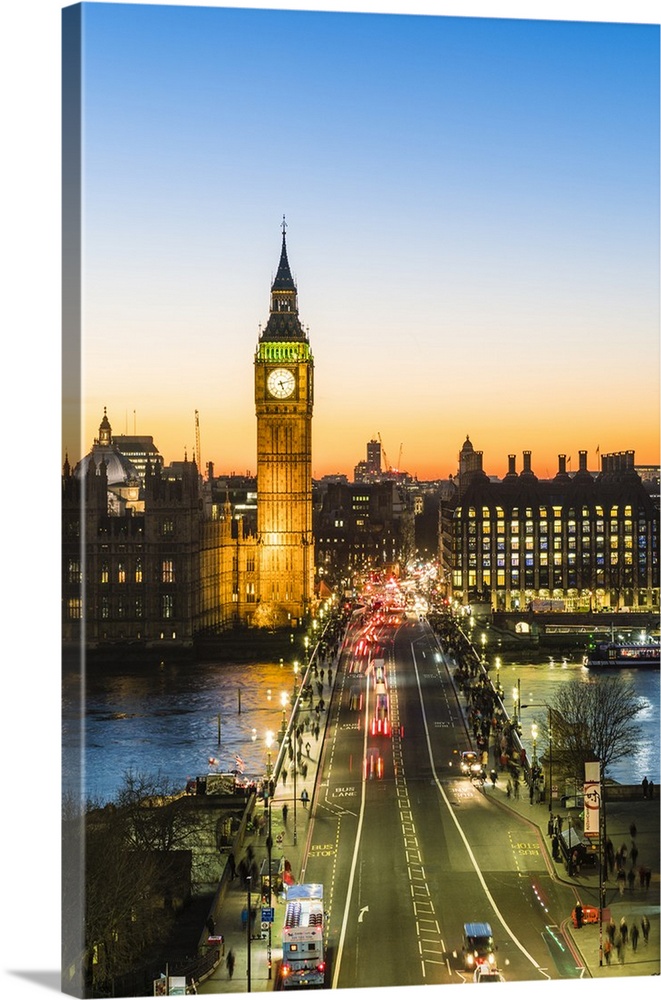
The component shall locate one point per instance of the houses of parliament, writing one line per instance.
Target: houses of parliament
(159, 556)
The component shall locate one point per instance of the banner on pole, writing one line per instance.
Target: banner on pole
(592, 799)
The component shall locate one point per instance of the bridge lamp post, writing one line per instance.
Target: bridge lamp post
(269, 839)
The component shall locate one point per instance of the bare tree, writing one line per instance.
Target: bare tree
(131, 865)
(593, 719)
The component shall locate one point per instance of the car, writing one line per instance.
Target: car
(478, 947)
(487, 974)
(470, 764)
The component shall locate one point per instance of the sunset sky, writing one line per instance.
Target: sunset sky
(473, 225)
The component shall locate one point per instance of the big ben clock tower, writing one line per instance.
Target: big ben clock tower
(283, 402)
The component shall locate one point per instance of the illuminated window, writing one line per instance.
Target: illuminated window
(138, 570)
(105, 572)
(167, 526)
(121, 573)
(167, 606)
(167, 571)
(75, 608)
(74, 573)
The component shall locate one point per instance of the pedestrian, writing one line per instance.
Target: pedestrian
(231, 864)
(631, 878)
(650, 789)
(645, 927)
(607, 950)
(555, 845)
(633, 855)
(229, 961)
(624, 930)
(549, 828)
(578, 913)
(619, 948)
(648, 876)
(509, 788)
(494, 778)
(285, 810)
(307, 748)
(531, 792)
(641, 877)
(645, 785)
(634, 936)
(560, 822)
(284, 776)
(305, 798)
(623, 854)
(610, 930)
(621, 881)
(633, 830)
(211, 925)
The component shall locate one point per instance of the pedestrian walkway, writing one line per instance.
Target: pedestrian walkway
(289, 822)
(632, 904)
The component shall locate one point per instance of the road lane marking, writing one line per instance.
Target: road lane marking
(461, 833)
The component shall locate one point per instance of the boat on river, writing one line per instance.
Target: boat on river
(623, 655)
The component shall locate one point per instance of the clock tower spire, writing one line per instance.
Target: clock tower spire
(284, 370)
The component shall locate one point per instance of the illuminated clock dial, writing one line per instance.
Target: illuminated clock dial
(281, 383)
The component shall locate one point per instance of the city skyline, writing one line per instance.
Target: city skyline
(472, 211)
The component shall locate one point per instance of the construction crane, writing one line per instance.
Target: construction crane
(383, 452)
(198, 455)
(399, 458)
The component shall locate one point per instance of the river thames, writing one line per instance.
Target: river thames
(165, 719)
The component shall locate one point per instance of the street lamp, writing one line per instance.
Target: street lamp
(295, 679)
(533, 730)
(516, 693)
(283, 701)
(269, 839)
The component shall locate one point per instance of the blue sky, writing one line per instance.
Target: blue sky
(455, 188)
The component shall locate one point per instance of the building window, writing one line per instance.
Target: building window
(74, 574)
(167, 571)
(138, 571)
(75, 608)
(167, 606)
(105, 572)
(167, 526)
(121, 573)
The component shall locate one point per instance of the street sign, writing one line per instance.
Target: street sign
(268, 914)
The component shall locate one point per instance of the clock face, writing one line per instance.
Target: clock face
(281, 383)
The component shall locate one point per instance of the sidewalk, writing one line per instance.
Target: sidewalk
(251, 952)
(631, 905)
